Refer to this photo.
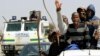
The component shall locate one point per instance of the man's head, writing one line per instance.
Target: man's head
(90, 11)
(53, 36)
(65, 19)
(75, 17)
(82, 13)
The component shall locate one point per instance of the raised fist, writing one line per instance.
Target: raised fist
(58, 5)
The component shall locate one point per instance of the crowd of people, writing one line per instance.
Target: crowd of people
(80, 34)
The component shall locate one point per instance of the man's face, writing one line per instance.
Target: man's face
(89, 13)
(82, 14)
(75, 18)
(65, 20)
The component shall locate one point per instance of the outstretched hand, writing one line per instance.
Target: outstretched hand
(58, 5)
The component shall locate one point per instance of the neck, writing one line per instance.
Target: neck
(76, 24)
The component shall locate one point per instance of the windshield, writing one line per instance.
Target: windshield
(13, 27)
(30, 26)
(33, 49)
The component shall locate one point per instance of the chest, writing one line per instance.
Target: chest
(76, 30)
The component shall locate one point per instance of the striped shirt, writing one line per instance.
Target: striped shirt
(80, 33)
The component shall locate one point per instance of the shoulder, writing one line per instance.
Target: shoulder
(95, 18)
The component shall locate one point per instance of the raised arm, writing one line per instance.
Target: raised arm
(62, 26)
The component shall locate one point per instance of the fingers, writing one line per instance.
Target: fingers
(56, 1)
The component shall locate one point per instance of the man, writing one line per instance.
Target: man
(91, 17)
(78, 32)
(57, 45)
(82, 13)
(91, 13)
(33, 16)
(65, 19)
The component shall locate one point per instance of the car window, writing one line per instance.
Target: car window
(13, 27)
(30, 26)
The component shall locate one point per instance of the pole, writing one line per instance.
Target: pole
(4, 18)
(48, 13)
(39, 46)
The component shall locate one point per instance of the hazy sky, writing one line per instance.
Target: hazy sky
(19, 8)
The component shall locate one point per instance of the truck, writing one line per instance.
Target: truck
(18, 33)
